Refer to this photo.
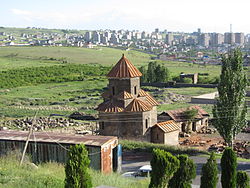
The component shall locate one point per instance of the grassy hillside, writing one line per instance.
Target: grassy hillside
(12, 57)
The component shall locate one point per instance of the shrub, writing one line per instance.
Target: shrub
(209, 174)
(228, 168)
(186, 172)
(76, 169)
(187, 80)
(164, 165)
(242, 180)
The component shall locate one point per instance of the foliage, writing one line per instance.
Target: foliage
(242, 179)
(155, 73)
(187, 80)
(149, 147)
(186, 172)
(230, 110)
(164, 165)
(58, 73)
(52, 175)
(228, 168)
(209, 174)
(190, 114)
(77, 168)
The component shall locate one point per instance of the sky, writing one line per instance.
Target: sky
(142, 15)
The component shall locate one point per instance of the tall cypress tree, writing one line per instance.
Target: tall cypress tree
(228, 168)
(209, 174)
(230, 109)
(186, 172)
(77, 167)
(164, 165)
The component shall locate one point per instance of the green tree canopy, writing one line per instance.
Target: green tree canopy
(230, 109)
(77, 168)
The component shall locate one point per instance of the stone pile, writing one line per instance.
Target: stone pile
(241, 148)
(43, 123)
(207, 130)
(197, 142)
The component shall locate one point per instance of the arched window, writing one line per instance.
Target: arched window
(113, 90)
(146, 123)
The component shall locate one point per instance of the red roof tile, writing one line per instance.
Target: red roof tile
(124, 69)
(178, 115)
(168, 126)
(138, 105)
(108, 106)
(149, 98)
(124, 95)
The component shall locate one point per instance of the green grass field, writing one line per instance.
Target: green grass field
(14, 57)
(52, 175)
(81, 95)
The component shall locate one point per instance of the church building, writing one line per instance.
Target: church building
(127, 111)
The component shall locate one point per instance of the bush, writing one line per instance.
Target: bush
(242, 180)
(77, 168)
(186, 172)
(164, 165)
(228, 168)
(209, 174)
(187, 80)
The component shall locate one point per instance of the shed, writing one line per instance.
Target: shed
(201, 119)
(48, 146)
(166, 132)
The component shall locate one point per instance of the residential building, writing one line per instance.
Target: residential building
(169, 38)
(229, 38)
(239, 38)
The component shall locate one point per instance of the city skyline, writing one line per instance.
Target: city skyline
(179, 15)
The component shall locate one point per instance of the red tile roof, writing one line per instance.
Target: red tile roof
(124, 69)
(167, 126)
(149, 98)
(138, 105)
(124, 95)
(178, 115)
(108, 106)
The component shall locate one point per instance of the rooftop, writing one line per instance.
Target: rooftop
(124, 69)
(168, 126)
(49, 137)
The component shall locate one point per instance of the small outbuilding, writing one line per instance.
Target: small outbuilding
(166, 132)
(178, 115)
(104, 153)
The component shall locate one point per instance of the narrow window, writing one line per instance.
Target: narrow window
(135, 90)
(146, 123)
(113, 90)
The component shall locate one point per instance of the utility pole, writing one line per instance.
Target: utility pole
(28, 137)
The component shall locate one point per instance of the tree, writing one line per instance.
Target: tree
(230, 109)
(228, 168)
(209, 174)
(164, 165)
(242, 180)
(144, 78)
(151, 76)
(186, 172)
(190, 115)
(76, 169)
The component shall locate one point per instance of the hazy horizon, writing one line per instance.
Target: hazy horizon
(142, 15)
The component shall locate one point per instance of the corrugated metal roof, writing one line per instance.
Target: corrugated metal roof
(149, 98)
(124, 95)
(178, 115)
(88, 140)
(138, 105)
(168, 126)
(124, 69)
(108, 106)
